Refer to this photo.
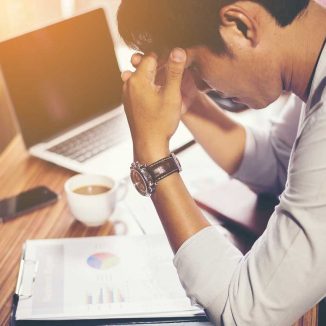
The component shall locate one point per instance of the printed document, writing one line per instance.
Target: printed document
(101, 277)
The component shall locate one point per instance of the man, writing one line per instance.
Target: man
(249, 51)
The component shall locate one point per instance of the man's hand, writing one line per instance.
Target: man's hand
(189, 91)
(153, 111)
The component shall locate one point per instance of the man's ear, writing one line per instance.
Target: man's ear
(240, 23)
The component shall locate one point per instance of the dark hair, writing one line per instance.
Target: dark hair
(160, 25)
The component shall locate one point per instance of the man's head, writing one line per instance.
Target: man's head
(232, 46)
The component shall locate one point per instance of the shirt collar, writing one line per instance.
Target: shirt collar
(319, 79)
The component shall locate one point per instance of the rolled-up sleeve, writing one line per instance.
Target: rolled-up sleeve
(284, 274)
(267, 150)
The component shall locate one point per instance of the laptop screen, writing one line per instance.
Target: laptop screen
(61, 76)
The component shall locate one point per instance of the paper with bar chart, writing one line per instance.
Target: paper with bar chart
(104, 277)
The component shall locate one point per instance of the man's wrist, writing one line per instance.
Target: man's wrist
(197, 102)
(145, 177)
(146, 155)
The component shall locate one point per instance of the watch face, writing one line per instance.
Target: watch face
(139, 182)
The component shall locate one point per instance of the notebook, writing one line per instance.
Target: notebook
(65, 87)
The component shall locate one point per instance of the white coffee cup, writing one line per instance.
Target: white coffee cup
(93, 209)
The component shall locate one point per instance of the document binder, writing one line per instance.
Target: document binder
(31, 269)
(192, 321)
(26, 277)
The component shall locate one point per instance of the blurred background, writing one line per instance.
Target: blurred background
(20, 16)
(17, 17)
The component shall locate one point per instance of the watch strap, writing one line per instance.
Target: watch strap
(164, 167)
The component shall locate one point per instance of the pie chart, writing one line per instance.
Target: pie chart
(102, 260)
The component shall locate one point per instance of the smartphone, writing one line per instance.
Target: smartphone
(26, 202)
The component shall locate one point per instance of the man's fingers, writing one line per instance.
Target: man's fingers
(175, 69)
(126, 75)
(147, 67)
(160, 75)
(136, 59)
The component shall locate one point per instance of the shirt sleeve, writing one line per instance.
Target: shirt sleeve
(283, 275)
(267, 151)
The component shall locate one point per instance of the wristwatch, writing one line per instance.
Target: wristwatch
(145, 177)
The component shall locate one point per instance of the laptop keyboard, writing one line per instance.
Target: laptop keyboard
(92, 142)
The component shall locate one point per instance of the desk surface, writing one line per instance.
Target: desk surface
(18, 172)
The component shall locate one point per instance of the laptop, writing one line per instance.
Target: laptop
(65, 87)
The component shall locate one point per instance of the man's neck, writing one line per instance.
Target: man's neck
(305, 38)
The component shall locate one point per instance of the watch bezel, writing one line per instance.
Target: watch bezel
(146, 178)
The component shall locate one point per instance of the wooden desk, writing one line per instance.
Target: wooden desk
(19, 172)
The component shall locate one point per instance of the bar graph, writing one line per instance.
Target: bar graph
(105, 295)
